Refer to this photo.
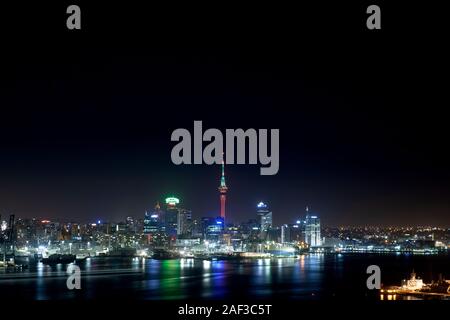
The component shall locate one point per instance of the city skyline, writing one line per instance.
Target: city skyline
(280, 219)
(213, 161)
(215, 212)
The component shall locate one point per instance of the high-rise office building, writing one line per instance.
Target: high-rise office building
(297, 231)
(205, 222)
(171, 216)
(184, 223)
(265, 218)
(285, 233)
(312, 230)
(153, 220)
(177, 221)
(212, 227)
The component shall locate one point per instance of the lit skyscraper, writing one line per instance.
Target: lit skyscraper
(152, 220)
(184, 223)
(171, 216)
(265, 218)
(312, 230)
(177, 221)
(212, 227)
(285, 234)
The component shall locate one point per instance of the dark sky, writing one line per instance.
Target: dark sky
(86, 117)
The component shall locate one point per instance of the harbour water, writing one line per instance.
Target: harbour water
(311, 276)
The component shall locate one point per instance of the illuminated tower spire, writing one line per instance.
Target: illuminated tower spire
(223, 191)
(222, 179)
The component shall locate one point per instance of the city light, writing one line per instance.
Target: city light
(261, 205)
(172, 201)
(172, 233)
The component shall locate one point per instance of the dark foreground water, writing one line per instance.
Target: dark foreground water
(314, 276)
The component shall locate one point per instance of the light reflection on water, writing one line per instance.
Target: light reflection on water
(170, 279)
(305, 277)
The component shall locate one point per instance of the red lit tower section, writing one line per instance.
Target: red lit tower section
(223, 192)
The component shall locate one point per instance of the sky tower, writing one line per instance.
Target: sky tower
(223, 192)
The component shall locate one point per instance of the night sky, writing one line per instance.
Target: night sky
(86, 117)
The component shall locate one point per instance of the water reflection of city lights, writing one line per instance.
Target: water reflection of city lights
(40, 269)
(218, 264)
(206, 264)
(186, 263)
(88, 264)
(302, 261)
